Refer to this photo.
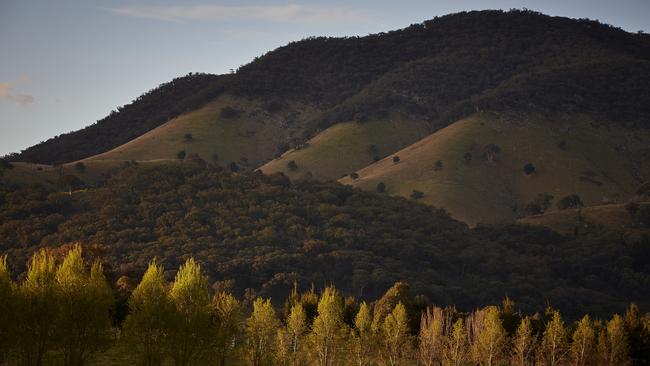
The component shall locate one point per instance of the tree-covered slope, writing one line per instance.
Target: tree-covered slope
(265, 232)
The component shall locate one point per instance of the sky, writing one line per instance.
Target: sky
(65, 64)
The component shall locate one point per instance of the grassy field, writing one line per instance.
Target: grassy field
(612, 217)
(253, 135)
(346, 147)
(590, 163)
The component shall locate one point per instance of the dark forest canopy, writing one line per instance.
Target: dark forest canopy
(265, 232)
(439, 70)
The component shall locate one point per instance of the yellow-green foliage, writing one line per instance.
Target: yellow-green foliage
(328, 330)
(84, 300)
(266, 340)
(396, 337)
(189, 338)
(553, 348)
(261, 328)
(592, 165)
(363, 337)
(7, 308)
(583, 343)
(226, 318)
(149, 313)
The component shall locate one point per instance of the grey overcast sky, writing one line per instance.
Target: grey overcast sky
(66, 63)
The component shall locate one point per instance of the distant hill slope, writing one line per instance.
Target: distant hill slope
(475, 168)
(346, 147)
(438, 71)
(248, 137)
(147, 112)
(613, 218)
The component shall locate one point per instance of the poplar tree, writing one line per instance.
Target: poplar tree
(296, 330)
(455, 347)
(492, 340)
(261, 327)
(616, 349)
(84, 302)
(7, 310)
(431, 340)
(583, 344)
(226, 317)
(396, 338)
(523, 345)
(363, 337)
(554, 347)
(39, 305)
(328, 330)
(189, 336)
(147, 324)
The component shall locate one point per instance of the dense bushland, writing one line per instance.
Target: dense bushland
(59, 314)
(265, 233)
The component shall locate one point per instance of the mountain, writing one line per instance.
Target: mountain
(569, 97)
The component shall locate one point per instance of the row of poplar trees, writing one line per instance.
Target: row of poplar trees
(60, 314)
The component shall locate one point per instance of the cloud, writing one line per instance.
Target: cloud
(7, 94)
(284, 13)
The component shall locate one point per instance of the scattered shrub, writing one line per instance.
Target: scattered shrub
(416, 195)
(233, 167)
(229, 112)
(643, 216)
(292, 165)
(181, 154)
(396, 159)
(491, 152)
(539, 205)
(438, 165)
(4, 164)
(273, 106)
(354, 175)
(80, 167)
(467, 157)
(529, 169)
(188, 137)
(570, 201)
(381, 187)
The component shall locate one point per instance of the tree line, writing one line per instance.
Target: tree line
(61, 313)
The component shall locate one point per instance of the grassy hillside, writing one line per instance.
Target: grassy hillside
(249, 138)
(570, 155)
(347, 147)
(613, 217)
